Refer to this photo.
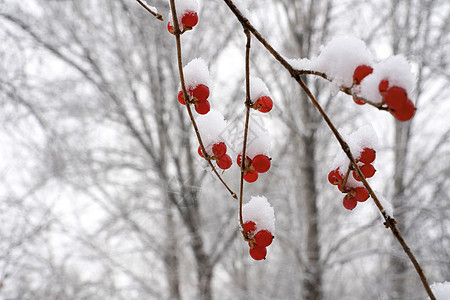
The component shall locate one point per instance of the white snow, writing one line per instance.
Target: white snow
(258, 138)
(257, 89)
(396, 69)
(196, 72)
(212, 128)
(340, 57)
(259, 210)
(388, 208)
(441, 290)
(183, 6)
(300, 63)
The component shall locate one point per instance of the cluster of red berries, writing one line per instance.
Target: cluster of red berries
(199, 97)
(355, 194)
(395, 97)
(188, 20)
(259, 164)
(258, 240)
(264, 104)
(220, 155)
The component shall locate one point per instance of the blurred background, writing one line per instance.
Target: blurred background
(103, 194)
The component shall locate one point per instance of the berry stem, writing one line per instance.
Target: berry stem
(389, 221)
(344, 183)
(177, 33)
(144, 5)
(248, 104)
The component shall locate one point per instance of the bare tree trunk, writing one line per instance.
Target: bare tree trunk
(170, 255)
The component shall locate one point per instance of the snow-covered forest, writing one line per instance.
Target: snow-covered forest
(106, 194)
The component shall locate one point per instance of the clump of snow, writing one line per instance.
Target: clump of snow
(196, 72)
(388, 208)
(396, 70)
(441, 290)
(364, 137)
(258, 138)
(300, 63)
(259, 210)
(340, 57)
(212, 128)
(257, 89)
(183, 6)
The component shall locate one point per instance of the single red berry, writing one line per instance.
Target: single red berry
(249, 226)
(383, 86)
(189, 19)
(261, 163)
(264, 104)
(239, 160)
(225, 162)
(219, 149)
(368, 171)
(406, 112)
(361, 194)
(263, 238)
(334, 177)
(251, 176)
(202, 107)
(201, 92)
(361, 72)
(258, 252)
(200, 152)
(170, 28)
(349, 202)
(181, 97)
(395, 97)
(367, 155)
(357, 101)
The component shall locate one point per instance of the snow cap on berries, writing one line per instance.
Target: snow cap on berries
(258, 140)
(183, 6)
(213, 129)
(258, 89)
(340, 57)
(396, 70)
(196, 72)
(259, 210)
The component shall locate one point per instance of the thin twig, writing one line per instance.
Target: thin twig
(177, 33)
(389, 221)
(247, 118)
(147, 7)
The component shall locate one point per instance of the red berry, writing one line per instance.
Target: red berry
(181, 97)
(383, 86)
(225, 162)
(349, 202)
(258, 252)
(189, 19)
(239, 160)
(406, 112)
(361, 194)
(334, 177)
(202, 107)
(357, 101)
(264, 104)
(361, 72)
(368, 171)
(395, 97)
(219, 149)
(170, 27)
(249, 226)
(200, 152)
(251, 176)
(263, 238)
(367, 156)
(201, 92)
(261, 163)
